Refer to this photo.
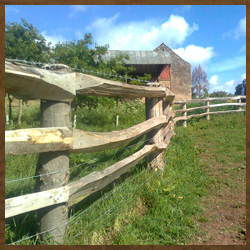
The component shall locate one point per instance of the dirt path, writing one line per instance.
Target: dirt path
(224, 219)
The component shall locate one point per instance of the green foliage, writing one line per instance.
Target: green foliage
(220, 94)
(149, 209)
(24, 42)
(78, 54)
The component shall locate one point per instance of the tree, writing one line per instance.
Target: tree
(240, 89)
(220, 94)
(200, 84)
(24, 42)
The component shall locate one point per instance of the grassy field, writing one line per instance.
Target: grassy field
(141, 208)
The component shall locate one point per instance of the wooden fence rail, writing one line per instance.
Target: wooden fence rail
(207, 107)
(55, 139)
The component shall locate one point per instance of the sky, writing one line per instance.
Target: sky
(213, 36)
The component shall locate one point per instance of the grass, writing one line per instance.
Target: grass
(143, 207)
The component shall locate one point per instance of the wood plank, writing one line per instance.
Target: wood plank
(94, 141)
(169, 97)
(36, 140)
(210, 99)
(80, 189)
(31, 202)
(29, 82)
(214, 113)
(96, 86)
(182, 118)
(211, 106)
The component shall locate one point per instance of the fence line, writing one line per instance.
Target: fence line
(186, 117)
(78, 165)
(55, 136)
(91, 206)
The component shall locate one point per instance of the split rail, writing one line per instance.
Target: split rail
(55, 140)
(208, 106)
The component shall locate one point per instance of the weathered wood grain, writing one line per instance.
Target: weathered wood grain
(169, 97)
(28, 82)
(36, 140)
(96, 86)
(94, 141)
(31, 202)
(78, 190)
(154, 108)
(53, 114)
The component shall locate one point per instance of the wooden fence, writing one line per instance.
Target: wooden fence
(55, 140)
(207, 107)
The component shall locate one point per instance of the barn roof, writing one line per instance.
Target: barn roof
(141, 57)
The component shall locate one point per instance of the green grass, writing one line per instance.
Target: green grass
(143, 207)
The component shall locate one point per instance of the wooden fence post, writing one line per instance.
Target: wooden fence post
(207, 111)
(6, 114)
(154, 108)
(53, 114)
(239, 101)
(184, 107)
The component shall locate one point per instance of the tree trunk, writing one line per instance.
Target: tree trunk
(53, 114)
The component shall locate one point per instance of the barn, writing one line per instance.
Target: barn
(164, 65)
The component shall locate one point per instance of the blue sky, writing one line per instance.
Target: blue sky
(211, 35)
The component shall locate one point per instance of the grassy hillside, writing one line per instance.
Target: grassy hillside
(142, 207)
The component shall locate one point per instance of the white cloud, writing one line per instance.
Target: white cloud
(76, 9)
(229, 64)
(195, 54)
(53, 38)
(230, 83)
(239, 31)
(141, 35)
(214, 80)
(244, 76)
